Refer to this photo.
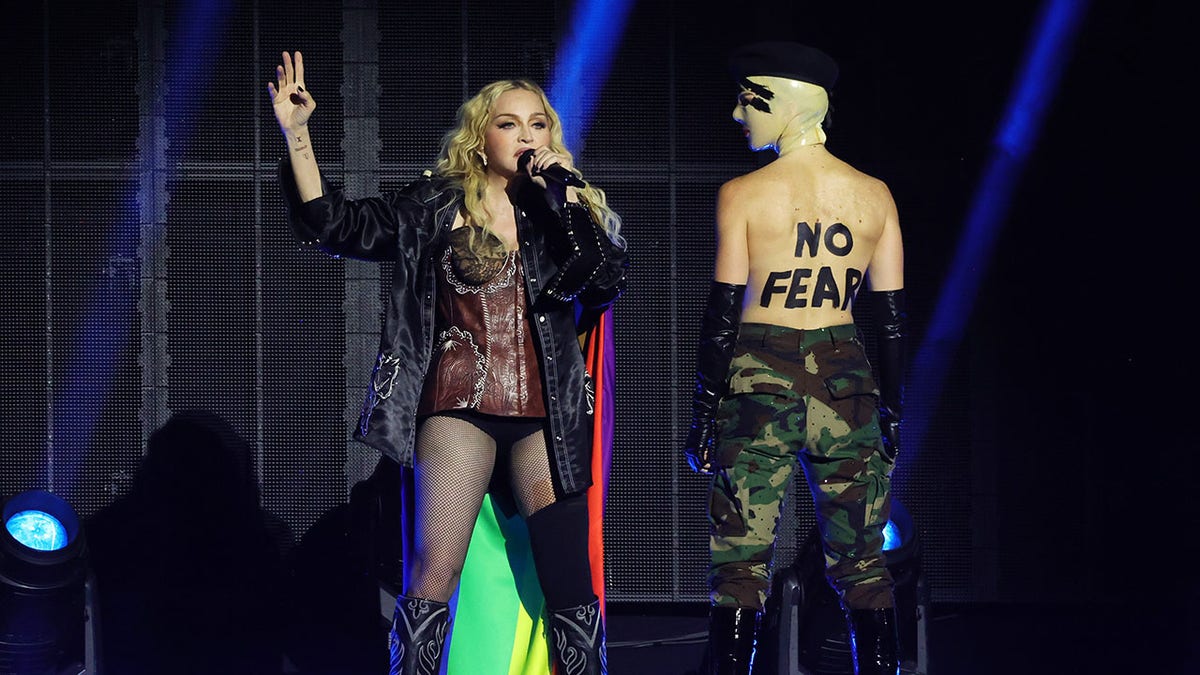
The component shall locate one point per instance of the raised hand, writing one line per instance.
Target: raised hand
(293, 103)
(293, 106)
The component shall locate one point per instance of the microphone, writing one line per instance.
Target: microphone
(554, 172)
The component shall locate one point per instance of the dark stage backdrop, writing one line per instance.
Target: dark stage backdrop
(148, 269)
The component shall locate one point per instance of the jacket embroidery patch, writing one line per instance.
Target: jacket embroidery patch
(383, 382)
(590, 387)
(385, 376)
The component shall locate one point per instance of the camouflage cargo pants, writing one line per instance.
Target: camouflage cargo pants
(804, 396)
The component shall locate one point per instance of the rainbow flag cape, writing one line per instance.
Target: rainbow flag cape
(503, 633)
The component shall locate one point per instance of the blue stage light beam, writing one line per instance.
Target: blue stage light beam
(102, 334)
(582, 64)
(1052, 43)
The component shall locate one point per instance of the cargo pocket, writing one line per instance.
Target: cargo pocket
(851, 383)
(854, 396)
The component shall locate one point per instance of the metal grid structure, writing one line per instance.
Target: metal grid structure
(168, 201)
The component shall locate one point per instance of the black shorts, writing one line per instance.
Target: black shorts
(504, 430)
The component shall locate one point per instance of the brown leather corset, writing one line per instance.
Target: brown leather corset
(484, 358)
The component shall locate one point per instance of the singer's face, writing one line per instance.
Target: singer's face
(760, 123)
(517, 123)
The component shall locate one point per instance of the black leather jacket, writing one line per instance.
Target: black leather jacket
(409, 227)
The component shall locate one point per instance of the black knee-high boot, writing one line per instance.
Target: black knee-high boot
(418, 634)
(577, 637)
(731, 635)
(875, 638)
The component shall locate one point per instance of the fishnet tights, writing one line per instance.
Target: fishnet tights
(454, 462)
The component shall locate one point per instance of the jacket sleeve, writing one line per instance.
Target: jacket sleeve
(365, 229)
(591, 265)
(609, 281)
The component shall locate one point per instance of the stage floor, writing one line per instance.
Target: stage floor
(970, 639)
(975, 639)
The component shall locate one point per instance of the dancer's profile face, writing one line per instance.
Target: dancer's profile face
(775, 109)
(754, 111)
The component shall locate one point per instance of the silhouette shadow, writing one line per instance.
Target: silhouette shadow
(337, 625)
(189, 578)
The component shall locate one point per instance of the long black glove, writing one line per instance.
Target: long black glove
(718, 334)
(887, 312)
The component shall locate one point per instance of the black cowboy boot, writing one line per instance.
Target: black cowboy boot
(731, 634)
(577, 635)
(875, 638)
(418, 633)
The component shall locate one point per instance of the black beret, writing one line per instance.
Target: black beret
(790, 60)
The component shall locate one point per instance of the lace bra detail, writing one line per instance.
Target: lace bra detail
(479, 265)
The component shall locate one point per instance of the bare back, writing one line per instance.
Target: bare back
(805, 234)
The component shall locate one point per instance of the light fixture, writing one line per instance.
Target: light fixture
(43, 573)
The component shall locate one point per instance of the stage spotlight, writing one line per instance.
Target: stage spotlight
(43, 574)
(804, 629)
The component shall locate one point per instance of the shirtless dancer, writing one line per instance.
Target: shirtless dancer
(781, 373)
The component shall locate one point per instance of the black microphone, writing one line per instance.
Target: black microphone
(554, 172)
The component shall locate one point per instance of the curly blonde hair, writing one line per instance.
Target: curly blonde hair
(462, 146)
